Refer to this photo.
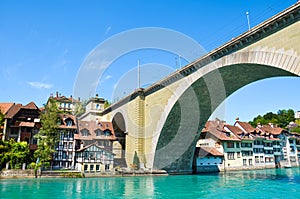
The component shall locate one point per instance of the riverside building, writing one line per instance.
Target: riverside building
(240, 146)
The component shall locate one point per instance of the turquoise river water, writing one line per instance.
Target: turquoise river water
(270, 183)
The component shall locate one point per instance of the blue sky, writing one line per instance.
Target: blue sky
(44, 43)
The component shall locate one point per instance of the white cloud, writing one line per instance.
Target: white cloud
(40, 85)
(107, 30)
(107, 77)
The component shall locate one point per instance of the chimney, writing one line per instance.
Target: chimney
(71, 96)
(56, 94)
(78, 99)
(51, 95)
(97, 95)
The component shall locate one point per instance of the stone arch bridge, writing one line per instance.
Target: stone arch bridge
(163, 122)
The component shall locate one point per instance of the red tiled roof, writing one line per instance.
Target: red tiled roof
(239, 132)
(216, 129)
(204, 151)
(234, 129)
(92, 126)
(64, 117)
(246, 126)
(16, 108)
(4, 107)
(64, 99)
(13, 111)
(30, 105)
(267, 129)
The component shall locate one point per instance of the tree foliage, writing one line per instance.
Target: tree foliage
(107, 104)
(79, 108)
(16, 153)
(281, 119)
(48, 136)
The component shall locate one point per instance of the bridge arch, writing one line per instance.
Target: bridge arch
(119, 146)
(236, 70)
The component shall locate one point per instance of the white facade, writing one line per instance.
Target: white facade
(297, 115)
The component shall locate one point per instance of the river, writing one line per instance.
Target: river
(270, 183)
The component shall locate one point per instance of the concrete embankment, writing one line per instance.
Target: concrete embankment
(29, 173)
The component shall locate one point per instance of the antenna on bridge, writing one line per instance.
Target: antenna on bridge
(139, 75)
(179, 61)
(248, 20)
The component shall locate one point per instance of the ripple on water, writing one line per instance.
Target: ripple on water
(271, 183)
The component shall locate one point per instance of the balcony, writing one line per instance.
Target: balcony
(277, 153)
(268, 148)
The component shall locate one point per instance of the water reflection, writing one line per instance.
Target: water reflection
(271, 183)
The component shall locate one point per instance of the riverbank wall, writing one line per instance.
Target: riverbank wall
(29, 173)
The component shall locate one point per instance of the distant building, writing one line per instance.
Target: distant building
(65, 148)
(102, 135)
(93, 109)
(63, 103)
(93, 158)
(4, 108)
(21, 123)
(297, 115)
(216, 149)
(241, 146)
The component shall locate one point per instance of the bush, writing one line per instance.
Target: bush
(18, 166)
(31, 165)
(46, 165)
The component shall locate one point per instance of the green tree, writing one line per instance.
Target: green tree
(281, 119)
(258, 120)
(285, 117)
(79, 108)
(295, 129)
(107, 104)
(4, 149)
(48, 136)
(16, 153)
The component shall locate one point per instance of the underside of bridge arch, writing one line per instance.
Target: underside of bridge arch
(176, 144)
(119, 146)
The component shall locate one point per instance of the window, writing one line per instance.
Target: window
(250, 161)
(237, 145)
(98, 132)
(85, 167)
(256, 159)
(238, 154)
(91, 167)
(230, 145)
(230, 155)
(107, 133)
(69, 122)
(244, 161)
(84, 132)
(97, 106)
(261, 159)
(86, 154)
(97, 167)
(107, 167)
